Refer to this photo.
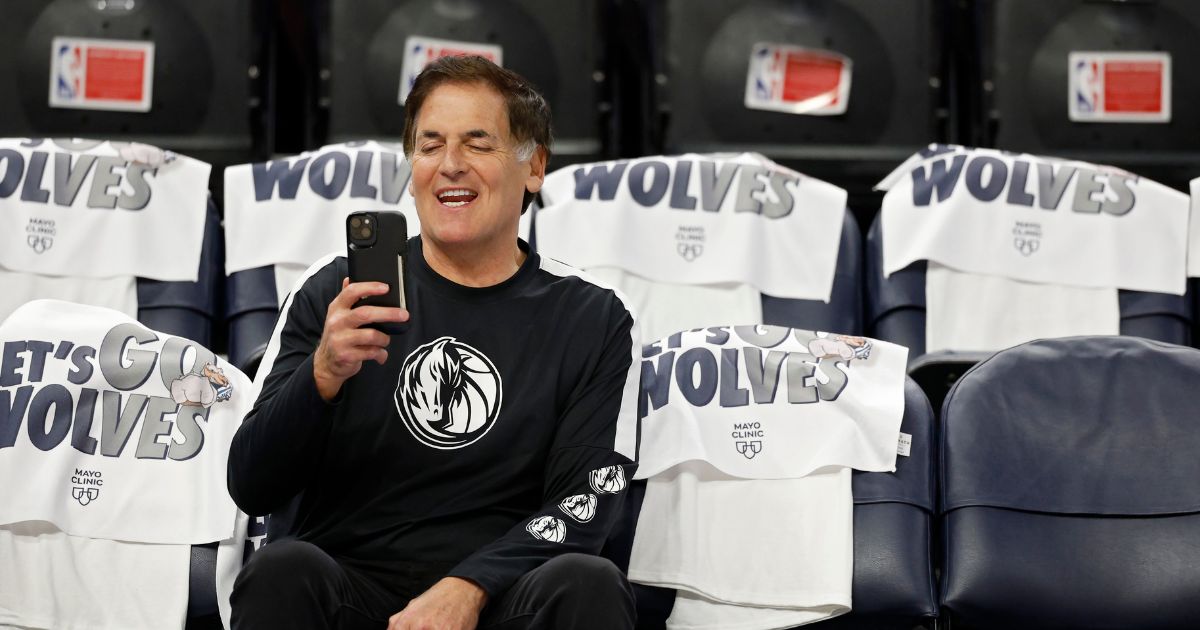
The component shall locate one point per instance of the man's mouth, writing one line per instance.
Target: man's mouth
(456, 197)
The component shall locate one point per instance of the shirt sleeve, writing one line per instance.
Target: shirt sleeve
(591, 460)
(271, 456)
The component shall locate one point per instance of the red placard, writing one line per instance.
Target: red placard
(1133, 86)
(115, 74)
(810, 75)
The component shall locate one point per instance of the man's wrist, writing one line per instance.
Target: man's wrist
(327, 385)
(469, 589)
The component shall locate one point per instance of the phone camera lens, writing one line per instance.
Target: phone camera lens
(364, 232)
(355, 222)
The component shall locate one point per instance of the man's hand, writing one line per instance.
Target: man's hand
(451, 604)
(344, 344)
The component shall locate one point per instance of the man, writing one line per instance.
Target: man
(465, 472)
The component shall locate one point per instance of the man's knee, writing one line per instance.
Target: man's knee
(588, 576)
(283, 568)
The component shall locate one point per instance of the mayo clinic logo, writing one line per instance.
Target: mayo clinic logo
(39, 234)
(1027, 237)
(689, 242)
(85, 485)
(449, 394)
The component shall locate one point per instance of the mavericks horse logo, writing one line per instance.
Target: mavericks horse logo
(449, 394)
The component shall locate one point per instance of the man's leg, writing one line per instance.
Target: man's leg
(294, 584)
(574, 591)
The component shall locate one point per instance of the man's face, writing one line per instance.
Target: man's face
(466, 179)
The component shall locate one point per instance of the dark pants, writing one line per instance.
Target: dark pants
(293, 584)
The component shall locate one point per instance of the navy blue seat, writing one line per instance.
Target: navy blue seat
(187, 309)
(895, 311)
(844, 312)
(1069, 494)
(894, 584)
(251, 308)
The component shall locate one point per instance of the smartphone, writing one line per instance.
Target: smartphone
(377, 251)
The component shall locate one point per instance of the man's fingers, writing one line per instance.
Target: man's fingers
(377, 314)
(352, 292)
(360, 337)
(347, 360)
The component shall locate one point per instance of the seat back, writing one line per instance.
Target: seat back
(895, 305)
(894, 584)
(1068, 487)
(844, 310)
(702, 67)
(1041, 99)
(658, 301)
(187, 309)
(560, 47)
(207, 97)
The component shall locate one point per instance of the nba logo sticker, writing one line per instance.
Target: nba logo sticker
(421, 51)
(797, 80)
(104, 74)
(1119, 87)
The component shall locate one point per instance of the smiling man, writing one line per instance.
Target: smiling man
(446, 477)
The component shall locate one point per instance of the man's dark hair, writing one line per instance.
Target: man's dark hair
(528, 112)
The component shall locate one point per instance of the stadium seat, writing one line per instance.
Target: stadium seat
(1068, 480)
(698, 59)
(1023, 89)
(560, 46)
(895, 311)
(251, 308)
(844, 311)
(187, 309)
(207, 96)
(894, 584)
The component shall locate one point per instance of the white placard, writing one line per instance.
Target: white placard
(1119, 87)
(420, 51)
(798, 80)
(106, 74)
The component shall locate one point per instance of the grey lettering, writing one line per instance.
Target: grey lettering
(153, 426)
(117, 423)
(67, 179)
(105, 178)
(113, 353)
(1051, 185)
(1084, 189)
(714, 185)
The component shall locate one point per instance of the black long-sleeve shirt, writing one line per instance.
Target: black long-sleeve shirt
(498, 434)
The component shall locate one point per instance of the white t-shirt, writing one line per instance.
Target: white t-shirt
(120, 436)
(89, 217)
(1024, 247)
(666, 307)
(748, 437)
(977, 312)
(728, 219)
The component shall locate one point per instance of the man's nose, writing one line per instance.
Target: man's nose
(452, 161)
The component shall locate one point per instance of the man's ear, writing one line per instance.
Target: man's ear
(537, 170)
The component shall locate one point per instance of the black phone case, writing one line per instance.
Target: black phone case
(381, 259)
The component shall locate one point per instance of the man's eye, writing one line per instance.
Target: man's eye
(429, 148)
(479, 147)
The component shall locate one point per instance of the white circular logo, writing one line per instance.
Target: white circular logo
(449, 394)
